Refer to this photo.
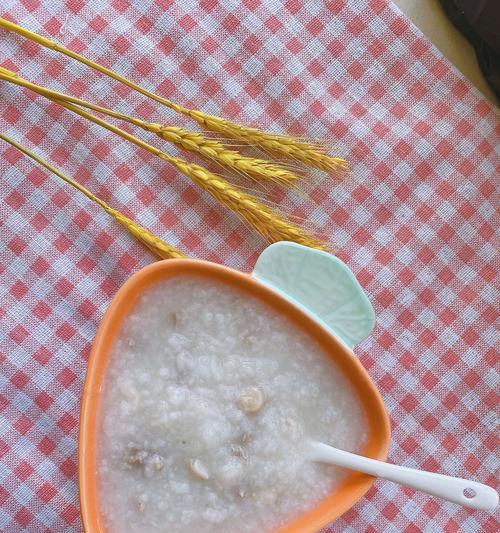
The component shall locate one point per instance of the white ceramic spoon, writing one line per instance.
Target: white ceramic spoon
(453, 489)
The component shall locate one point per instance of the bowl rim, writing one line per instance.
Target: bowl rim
(342, 498)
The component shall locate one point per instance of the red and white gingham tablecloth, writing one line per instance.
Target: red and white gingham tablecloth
(416, 221)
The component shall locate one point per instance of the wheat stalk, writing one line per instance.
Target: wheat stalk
(280, 145)
(265, 221)
(209, 149)
(156, 245)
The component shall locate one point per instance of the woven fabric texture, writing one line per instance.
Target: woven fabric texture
(416, 220)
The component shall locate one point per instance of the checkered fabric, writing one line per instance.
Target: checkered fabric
(416, 221)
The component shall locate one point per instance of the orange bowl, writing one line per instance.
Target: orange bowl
(344, 495)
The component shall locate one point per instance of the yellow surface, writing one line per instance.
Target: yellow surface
(431, 19)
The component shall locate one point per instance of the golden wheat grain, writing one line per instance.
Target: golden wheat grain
(159, 247)
(279, 145)
(210, 149)
(213, 150)
(269, 224)
(265, 221)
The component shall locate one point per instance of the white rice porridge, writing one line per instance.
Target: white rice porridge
(208, 398)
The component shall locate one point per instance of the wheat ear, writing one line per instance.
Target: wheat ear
(280, 145)
(252, 210)
(263, 219)
(159, 247)
(276, 145)
(209, 149)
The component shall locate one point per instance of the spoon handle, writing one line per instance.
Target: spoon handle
(457, 490)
